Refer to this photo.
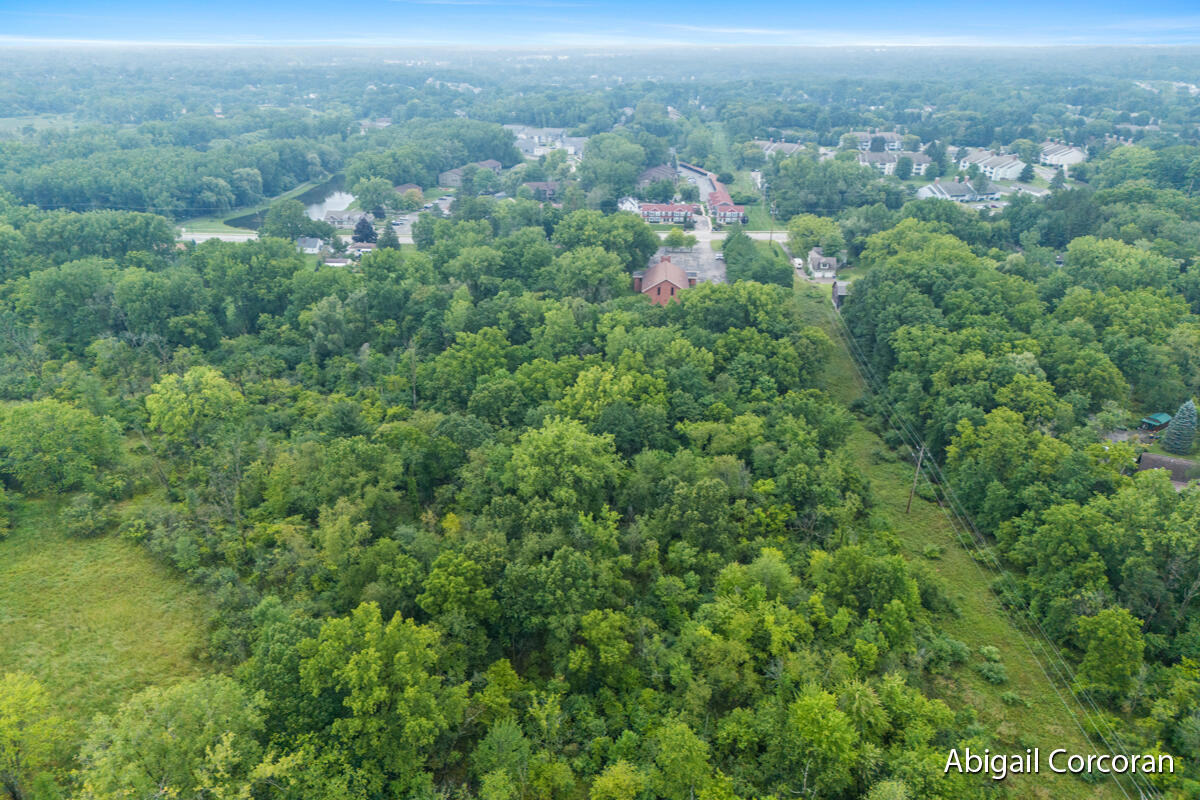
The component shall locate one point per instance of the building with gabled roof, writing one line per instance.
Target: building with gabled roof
(958, 191)
(667, 213)
(821, 265)
(994, 167)
(891, 139)
(886, 161)
(454, 177)
(770, 147)
(663, 281)
(1056, 154)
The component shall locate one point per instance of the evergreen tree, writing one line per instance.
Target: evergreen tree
(1027, 174)
(1059, 181)
(388, 238)
(1181, 433)
(364, 231)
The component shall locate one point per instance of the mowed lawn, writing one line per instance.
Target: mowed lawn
(95, 620)
(1037, 715)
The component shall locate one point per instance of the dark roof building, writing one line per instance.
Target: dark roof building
(1181, 469)
(663, 172)
(840, 290)
(543, 190)
(454, 177)
(959, 191)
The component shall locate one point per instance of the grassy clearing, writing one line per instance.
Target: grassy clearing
(1157, 448)
(36, 122)
(209, 225)
(742, 182)
(760, 219)
(1039, 719)
(772, 250)
(216, 224)
(95, 620)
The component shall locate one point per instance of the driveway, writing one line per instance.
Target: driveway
(702, 182)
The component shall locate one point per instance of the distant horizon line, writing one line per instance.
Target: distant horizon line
(424, 44)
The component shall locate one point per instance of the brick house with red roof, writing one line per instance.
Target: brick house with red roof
(663, 281)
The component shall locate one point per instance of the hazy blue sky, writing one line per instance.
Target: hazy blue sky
(546, 23)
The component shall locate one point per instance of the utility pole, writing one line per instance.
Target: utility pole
(916, 474)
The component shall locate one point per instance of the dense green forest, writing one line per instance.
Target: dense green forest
(473, 519)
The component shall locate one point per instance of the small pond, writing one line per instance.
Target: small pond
(318, 201)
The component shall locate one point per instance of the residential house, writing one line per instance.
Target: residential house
(891, 139)
(1056, 154)
(722, 208)
(667, 213)
(358, 248)
(720, 205)
(886, 161)
(337, 262)
(454, 177)
(574, 145)
(544, 191)
(451, 178)
(534, 142)
(958, 191)
(994, 167)
(663, 281)
(821, 265)
(345, 219)
(375, 124)
(770, 147)
(308, 245)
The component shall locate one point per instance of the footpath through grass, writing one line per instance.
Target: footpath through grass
(95, 620)
(1034, 715)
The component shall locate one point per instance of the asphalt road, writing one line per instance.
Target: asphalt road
(703, 233)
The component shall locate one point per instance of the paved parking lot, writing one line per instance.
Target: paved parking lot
(701, 259)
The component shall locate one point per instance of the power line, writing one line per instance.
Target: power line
(961, 522)
(1027, 620)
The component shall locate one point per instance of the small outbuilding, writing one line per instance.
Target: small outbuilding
(1156, 422)
(840, 290)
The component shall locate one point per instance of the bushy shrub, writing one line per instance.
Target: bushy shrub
(85, 516)
(992, 672)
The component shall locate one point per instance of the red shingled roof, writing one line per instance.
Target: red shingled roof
(664, 271)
